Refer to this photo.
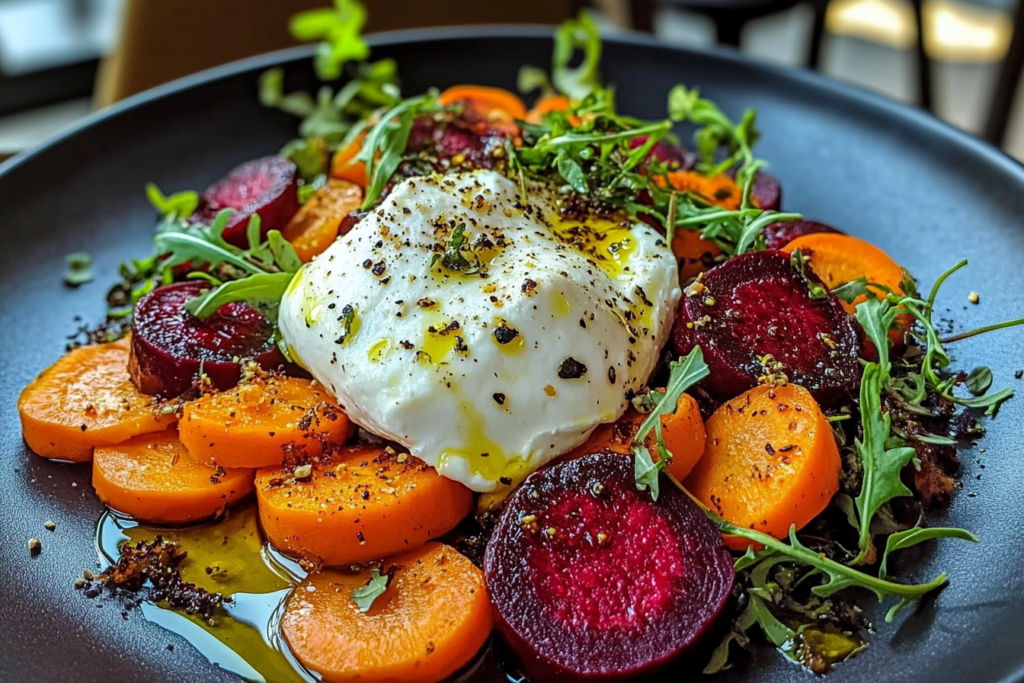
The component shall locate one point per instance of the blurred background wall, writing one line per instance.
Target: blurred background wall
(59, 59)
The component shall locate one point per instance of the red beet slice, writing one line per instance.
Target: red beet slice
(268, 187)
(665, 152)
(592, 580)
(755, 305)
(169, 344)
(474, 142)
(766, 190)
(778, 235)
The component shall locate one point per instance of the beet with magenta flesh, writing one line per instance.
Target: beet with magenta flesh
(592, 580)
(757, 305)
(169, 344)
(268, 186)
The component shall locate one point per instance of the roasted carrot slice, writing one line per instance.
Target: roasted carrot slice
(86, 399)
(485, 100)
(154, 479)
(547, 104)
(433, 618)
(682, 432)
(720, 190)
(367, 504)
(316, 224)
(838, 259)
(695, 254)
(261, 421)
(770, 461)
(684, 436)
(344, 165)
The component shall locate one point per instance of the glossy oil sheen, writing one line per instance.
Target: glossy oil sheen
(921, 191)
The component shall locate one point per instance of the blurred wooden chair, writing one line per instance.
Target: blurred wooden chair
(166, 39)
(730, 17)
(1007, 83)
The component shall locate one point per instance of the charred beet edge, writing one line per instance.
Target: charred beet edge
(169, 344)
(778, 235)
(592, 580)
(766, 190)
(757, 305)
(268, 187)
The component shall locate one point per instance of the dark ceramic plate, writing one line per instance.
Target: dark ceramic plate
(924, 192)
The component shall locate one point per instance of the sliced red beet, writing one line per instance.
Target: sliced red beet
(766, 190)
(665, 152)
(268, 187)
(778, 235)
(473, 141)
(756, 305)
(169, 344)
(592, 580)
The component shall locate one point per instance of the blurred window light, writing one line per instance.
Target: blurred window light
(954, 31)
(42, 34)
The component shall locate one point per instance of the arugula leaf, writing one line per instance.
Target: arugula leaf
(339, 29)
(876, 317)
(800, 266)
(839, 575)
(201, 246)
(573, 174)
(979, 381)
(683, 374)
(79, 270)
(310, 156)
(882, 465)
(262, 291)
(385, 144)
(911, 537)
(577, 34)
(180, 204)
(283, 252)
(531, 78)
(364, 596)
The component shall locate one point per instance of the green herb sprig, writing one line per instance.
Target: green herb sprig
(683, 374)
(364, 596)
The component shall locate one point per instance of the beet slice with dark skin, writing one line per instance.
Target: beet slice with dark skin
(766, 190)
(755, 305)
(778, 235)
(591, 580)
(169, 344)
(268, 186)
(667, 153)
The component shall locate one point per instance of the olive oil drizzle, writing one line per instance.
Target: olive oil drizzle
(228, 556)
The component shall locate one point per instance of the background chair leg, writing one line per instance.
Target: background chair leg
(924, 64)
(642, 15)
(817, 33)
(1006, 86)
(728, 30)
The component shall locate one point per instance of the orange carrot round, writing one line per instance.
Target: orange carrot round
(486, 100)
(684, 436)
(695, 254)
(682, 432)
(344, 165)
(432, 620)
(261, 421)
(546, 104)
(366, 504)
(316, 225)
(720, 190)
(771, 460)
(838, 259)
(154, 479)
(86, 399)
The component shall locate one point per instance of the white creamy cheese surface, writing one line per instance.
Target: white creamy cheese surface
(489, 364)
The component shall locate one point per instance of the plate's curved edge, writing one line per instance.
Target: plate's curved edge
(804, 77)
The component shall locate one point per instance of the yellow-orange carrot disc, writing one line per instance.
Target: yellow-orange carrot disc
(154, 479)
(431, 621)
(86, 399)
